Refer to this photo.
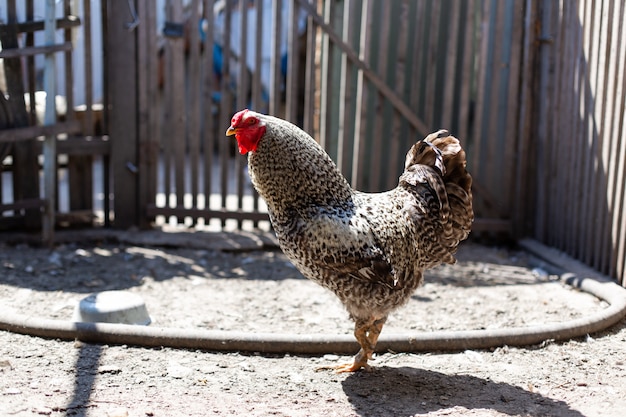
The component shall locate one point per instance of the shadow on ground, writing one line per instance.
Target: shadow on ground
(408, 391)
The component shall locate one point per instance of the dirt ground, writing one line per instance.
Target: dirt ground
(241, 282)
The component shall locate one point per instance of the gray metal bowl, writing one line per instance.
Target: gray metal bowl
(112, 307)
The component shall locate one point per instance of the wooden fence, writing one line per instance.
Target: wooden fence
(534, 90)
(366, 98)
(576, 180)
(50, 131)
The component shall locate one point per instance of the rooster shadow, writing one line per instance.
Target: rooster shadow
(406, 391)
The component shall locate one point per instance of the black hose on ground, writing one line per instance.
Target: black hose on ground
(148, 336)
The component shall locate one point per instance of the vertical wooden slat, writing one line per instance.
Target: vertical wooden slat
(226, 106)
(325, 84)
(309, 77)
(242, 95)
(416, 87)
(580, 151)
(397, 44)
(491, 128)
(147, 97)
(257, 86)
(106, 112)
(424, 27)
(542, 143)
(590, 132)
(604, 201)
(360, 126)
(167, 144)
(193, 102)
(49, 144)
(407, 135)
(88, 68)
(208, 117)
(451, 67)
(554, 144)
(619, 227)
(30, 63)
(511, 103)
(616, 182)
(121, 72)
(482, 92)
(431, 64)
(293, 56)
(80, 168)
(275, 61)
(345, 97)
(524, 210)
(25, 184)
(179, 116)
(467, 71)
(584, 172)
(379, 120)
(571, 33)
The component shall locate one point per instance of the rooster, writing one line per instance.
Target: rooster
(370, 249)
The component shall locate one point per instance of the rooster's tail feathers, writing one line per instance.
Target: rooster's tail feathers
(444, 153)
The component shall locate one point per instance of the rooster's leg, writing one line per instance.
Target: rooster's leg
(366, 333)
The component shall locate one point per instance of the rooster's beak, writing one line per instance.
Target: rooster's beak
(231, 131)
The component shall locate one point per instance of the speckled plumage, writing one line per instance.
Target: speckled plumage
(370, 249)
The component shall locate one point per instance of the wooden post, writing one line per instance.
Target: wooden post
(122, 96)
(25, 181)
(49, 144)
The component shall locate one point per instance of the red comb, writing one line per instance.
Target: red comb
(238, 117)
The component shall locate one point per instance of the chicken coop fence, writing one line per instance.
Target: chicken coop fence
(142, 94)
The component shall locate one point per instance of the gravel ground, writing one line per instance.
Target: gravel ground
(213, 281)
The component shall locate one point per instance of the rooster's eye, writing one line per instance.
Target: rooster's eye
(251, 121)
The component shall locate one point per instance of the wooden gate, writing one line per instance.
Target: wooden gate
(50, 129)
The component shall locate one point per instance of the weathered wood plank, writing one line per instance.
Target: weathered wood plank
(18, 134)
(359, 150)
(451, 66)
(147, 100)
(617, 178)
(25, 184)
(121, 73)
(30, 26)
(274, 107)
(34, 50)
(193, 101)
(208, 116)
